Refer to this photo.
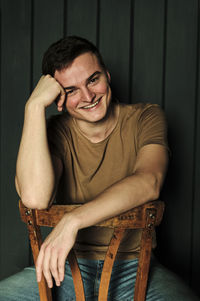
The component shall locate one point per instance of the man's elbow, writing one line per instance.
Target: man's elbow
(34, 202)
(154, 187)
(32, 198)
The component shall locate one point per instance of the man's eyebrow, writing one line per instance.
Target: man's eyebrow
(69, 88)
(94, 74)
(88, 79)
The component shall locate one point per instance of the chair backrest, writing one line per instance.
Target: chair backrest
(144, 217)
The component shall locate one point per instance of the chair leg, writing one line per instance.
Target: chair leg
(145, 256)
(36, 242)
(143, 267)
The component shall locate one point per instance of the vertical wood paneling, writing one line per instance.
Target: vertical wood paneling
(150, 48)
(82, 19)
(48, 19)
(114, 43)
(15, 79)
(180, 108)
(47, 27)
(148, 51)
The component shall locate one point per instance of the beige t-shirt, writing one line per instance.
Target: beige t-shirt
(89, 168)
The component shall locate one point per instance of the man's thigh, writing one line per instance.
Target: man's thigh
(20, 287)
(66, 291)
(163, 285)
(23, 285)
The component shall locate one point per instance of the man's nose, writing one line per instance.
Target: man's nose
(87, 94)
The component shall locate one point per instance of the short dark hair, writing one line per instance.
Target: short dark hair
(62, 53)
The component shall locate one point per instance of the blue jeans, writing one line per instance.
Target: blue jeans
(162, 286)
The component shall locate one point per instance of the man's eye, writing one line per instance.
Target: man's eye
(94, 79)
(70, 92)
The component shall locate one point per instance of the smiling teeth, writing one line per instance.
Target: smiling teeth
(91, 106)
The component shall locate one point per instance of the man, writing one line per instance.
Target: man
(108, 156)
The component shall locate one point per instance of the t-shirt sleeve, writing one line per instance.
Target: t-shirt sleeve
(57, 140)
(152, 127)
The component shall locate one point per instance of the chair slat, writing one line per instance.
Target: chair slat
(134, 218)
(76, 275)
(108, 263)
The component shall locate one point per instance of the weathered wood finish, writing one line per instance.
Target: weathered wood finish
(36, 241)
(144, 217)
(130, 219)
(145, 253)
(108, 263)
(76, 274)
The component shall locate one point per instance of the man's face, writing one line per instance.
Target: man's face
(87, 88)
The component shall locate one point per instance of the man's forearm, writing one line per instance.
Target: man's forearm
(35, 178)
(34, 172)
(120, 197)
(144, 185)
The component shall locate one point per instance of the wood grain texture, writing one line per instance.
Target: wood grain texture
(114, 44)
(108, 263)
(181, 60)
(76, 274)
(36, 242)
(47, 27)
(134, 218)
(82, 19)
(144, 217)
(15, 85)
(148, 51)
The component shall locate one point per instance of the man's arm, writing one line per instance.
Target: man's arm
(35, 174)
(142, 186)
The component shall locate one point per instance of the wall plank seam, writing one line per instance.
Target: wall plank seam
(65, 18)
(164, 53)
(130, 100)
(98, 23)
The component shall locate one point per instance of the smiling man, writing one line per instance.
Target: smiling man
(88, 95)
(108, 156)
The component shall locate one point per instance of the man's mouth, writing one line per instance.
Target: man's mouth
(92, 105)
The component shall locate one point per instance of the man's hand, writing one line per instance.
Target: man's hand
(54, 251)
(47, 91)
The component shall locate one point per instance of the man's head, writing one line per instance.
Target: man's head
(77, 66)
(62, 53)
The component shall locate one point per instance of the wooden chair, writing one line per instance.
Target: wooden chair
(144, 217)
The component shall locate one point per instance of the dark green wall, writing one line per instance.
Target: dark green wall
(151, 48)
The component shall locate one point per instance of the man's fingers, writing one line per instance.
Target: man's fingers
(61, 266)
(39, 264)
(46, 267)
(54, 268)
(53, 254)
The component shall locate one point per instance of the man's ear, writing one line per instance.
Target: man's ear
(108, 76)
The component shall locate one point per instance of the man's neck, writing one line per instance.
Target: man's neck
(98, 131)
